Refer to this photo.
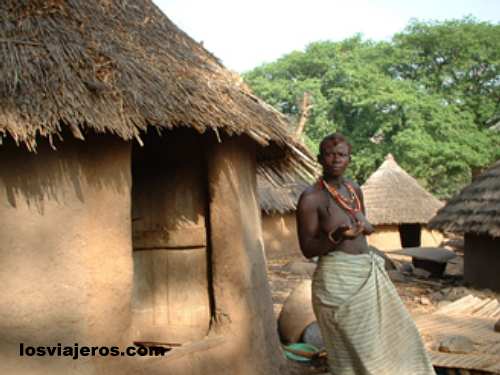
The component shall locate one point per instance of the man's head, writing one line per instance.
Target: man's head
(334, 155)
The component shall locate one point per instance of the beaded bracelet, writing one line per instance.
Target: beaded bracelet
(332, 240)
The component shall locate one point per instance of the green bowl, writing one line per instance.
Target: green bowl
(299, 346)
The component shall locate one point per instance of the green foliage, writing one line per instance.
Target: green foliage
(428, 97)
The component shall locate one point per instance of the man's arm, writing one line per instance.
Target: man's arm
(368, 228)
(313, 242)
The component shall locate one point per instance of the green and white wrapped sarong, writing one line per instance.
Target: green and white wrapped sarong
(364, 324)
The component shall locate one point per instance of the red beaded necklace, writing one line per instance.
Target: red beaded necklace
(343, 202)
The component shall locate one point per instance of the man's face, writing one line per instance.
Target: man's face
(334, 159)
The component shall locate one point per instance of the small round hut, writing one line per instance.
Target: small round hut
(128, 199)
(475, 212)
(279, 193)
(399, 208)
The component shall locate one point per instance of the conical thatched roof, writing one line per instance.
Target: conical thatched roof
(117, 66)
(392, 196)
(475, 209)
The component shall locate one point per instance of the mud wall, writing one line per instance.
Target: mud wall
(65, 251)
(385, 238)
(280, 236)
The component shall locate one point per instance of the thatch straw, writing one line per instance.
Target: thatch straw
(117, 66)
(392, 196)
(475, 209)
(279, 190)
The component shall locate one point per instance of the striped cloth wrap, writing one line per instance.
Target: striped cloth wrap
(364, 324)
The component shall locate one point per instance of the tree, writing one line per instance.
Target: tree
(399, 97)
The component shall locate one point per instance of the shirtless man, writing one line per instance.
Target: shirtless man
(322, 224)
(364, 324)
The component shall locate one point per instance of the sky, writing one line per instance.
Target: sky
(245, 34)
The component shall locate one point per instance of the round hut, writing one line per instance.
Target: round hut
(399, 208)
(278, 196)
(128, 201)
(475, 213)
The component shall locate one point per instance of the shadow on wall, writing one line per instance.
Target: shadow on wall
(38, 176)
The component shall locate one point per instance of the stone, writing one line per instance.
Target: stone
(456, 344)
(396, 276)
(425, 301)
(301, 268)
(407, 268)
(497, 326)
(419, 272)
(312, 335)
(437, 296)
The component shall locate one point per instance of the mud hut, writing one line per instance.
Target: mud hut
(399, 208)
(475, 212)
(278, 197)
(128, 195)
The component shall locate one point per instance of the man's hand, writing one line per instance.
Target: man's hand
(337, 235)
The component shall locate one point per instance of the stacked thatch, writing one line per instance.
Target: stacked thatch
(279, 190)
(476, 209)
(392, 196)
(119, 67)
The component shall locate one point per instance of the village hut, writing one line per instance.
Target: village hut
(475, 213)
(399, 208)
(279, 193)
(128, 203)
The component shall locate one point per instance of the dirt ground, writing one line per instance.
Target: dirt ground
(420, 293)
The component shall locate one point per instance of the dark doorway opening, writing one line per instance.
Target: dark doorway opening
(410, 235)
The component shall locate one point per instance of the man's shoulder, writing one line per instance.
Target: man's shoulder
(311, 193)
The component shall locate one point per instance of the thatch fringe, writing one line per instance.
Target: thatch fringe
(475, 209)
(279, 189)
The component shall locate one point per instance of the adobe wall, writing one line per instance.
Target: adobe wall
(66, 255)
(482, 261)
(280, 236)
(430, 238)
(385, 238)
(65, 251)
(243, 338)
(244, 310)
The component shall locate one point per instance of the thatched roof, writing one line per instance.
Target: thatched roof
(475, 209)
(279, 190)
(392, 196)
(117, 66)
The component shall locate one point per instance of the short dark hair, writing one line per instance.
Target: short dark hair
(335, 138)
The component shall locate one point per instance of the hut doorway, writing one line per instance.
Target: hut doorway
(172, 288)
(410, 235)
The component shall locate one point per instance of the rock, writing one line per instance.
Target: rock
(312, 335)
(497, 326)
(437, 296)
(296, 314)
(396, 276)
(425, 301)
(455, 244)
(456, 344)
(407, 268)
(301, 268)
(419, 272)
